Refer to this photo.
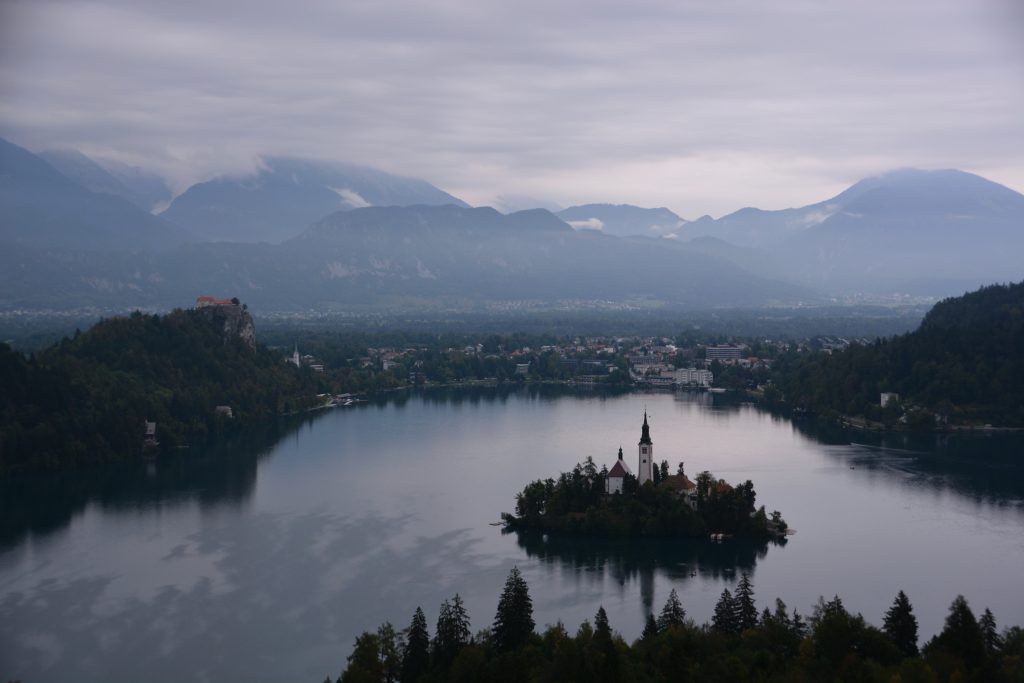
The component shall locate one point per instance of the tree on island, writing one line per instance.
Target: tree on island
(513, 623)
(900, 625)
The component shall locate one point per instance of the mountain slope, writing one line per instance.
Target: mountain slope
(380, 258)
(451, 252)
(145, 189)
(622, 219)
(286, 195)
(929, 232)
(944, 226)
(41, 207)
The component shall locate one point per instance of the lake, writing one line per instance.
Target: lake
(261, 556)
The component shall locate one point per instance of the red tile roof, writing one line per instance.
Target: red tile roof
(679, 483)
(619, 469)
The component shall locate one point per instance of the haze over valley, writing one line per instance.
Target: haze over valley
(300, 235)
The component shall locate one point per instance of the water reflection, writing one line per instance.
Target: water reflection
(985, 467)
(216, 471)
(625, 560)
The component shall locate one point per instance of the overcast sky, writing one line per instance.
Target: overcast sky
(703, 107)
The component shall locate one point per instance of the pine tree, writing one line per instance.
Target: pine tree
(513, 622)
(452, 633)
(900, 625)
(602, 630)
(416, 657)
(672, 614)
(724, 619)
(961, 635)
(798, 624)
(746, 609)
(650, 629)
(993, 641)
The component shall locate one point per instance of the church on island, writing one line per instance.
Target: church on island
(647, 471)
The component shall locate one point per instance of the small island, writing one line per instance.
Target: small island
(652, 503)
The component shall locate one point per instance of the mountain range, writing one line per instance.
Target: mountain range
(43, 208)
(623, 220)
(147, 191)
(285, 195)
(305, 235)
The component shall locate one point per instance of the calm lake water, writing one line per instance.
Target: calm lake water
(263, 556)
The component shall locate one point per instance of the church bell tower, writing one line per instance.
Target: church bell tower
(646, 470)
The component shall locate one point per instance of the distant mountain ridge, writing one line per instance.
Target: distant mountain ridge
(145, 190)
(41, 207)
(286, 195)
(624, 220)
(399, 257)
(936, 231)
(353, 236)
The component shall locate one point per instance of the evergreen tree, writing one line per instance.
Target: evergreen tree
(513, 622)
(746, 609)
(602, 629)
(452, 633)
(900, 625)
(961, 636)
(993, 641)
(650, 629)
(724, 618)
(798, 624)
(672, 614)
(416, 657)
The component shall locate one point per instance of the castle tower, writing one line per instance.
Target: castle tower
(646, 470)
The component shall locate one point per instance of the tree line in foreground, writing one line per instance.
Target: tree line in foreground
(740, 644)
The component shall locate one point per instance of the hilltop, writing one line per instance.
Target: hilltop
(963, 365)
(88, 398)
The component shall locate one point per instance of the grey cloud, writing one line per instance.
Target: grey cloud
(690, 105)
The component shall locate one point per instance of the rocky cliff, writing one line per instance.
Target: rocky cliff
(234, 321)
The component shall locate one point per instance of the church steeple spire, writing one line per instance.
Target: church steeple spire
(646, 470)
(645, 432)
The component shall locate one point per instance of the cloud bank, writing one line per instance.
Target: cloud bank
(690, 105)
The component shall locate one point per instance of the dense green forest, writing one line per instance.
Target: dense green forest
(963, 365)
(740, 644)
(87, 398)
(576, 502)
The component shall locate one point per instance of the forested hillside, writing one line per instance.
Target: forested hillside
(87, 398)
(964, 364)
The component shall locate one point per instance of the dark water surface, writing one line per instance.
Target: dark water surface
(262, 556)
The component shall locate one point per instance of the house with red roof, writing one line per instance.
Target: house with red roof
(204, 301)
